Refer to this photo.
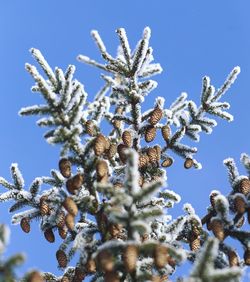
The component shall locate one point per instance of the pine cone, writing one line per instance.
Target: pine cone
(244, 186)
(111, 277)
(218, 229)
(166, 132)
(25, 224)
(152, 154)
(130, 255)
(143, 160)
(111, 151)
(62, 232)
(79, 275)
(61, 258)
(239, 204)
(70, 206)
(65, 279)
(90, 266)
(167, 162)
(188, 163)
(212, 198)
(115, 229)
(90, 127)
(105, 261)
(35, 276)
(233, 258)
(70, 221)
(127, 138)
(195, 243)
(247, 256)
(65, 167)
(150, 133)
(100, 145)
(44, 207)
(120, 149)
(49, 235)
(161, 256)
(117, 123)
(155, 117)
(101, 169)
(60, 219)
(73, 184)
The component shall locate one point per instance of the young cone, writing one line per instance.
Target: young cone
(155, 117)
(127, 138)
(25, 224)
(130, 256)
(70, 206)
(166, 132)
(150, 133)
(49, 235)
(65, 167)
(61, 258)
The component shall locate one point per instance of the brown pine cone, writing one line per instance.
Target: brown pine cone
(73, 184)
(49, 235)
(218, 229)
(239, 204)
(161, 256)
(233, 258)
(60, 219)
(70, 221)
(25, 224)
(143, 160)
(150, 133)
(62, 231)
(155, 116)
(130, 255)
(117, 123)
(247, 256)
(212, 198)
(194, 243)
(100, 145)
(188, 163)
(44, 207)
(90, 127)
(105, 261)
(167, 162)
(61, 258)
(166, 132)
(121, 152)
(158, 150)
(115, 229)
(101, 169)
(65, 167)
(111, 277)
(65, 279)
(152, 154)
(79, 275)
(127, 138)
(35, 276)
(90, 266)
(70, 206)
(244, 186)
(111, 151)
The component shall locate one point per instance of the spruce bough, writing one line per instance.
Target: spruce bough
(108, 199)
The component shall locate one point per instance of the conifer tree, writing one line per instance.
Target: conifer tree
(108, 198)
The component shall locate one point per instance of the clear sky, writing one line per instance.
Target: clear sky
(190, 39)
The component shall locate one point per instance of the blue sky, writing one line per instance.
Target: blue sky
(190, 39)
